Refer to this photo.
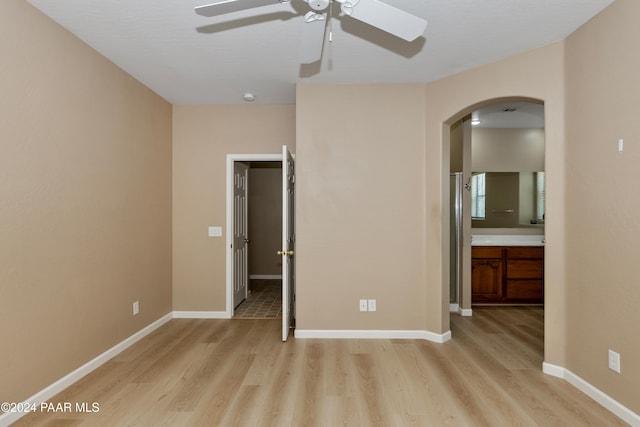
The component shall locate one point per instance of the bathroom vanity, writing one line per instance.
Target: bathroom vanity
(507, 269)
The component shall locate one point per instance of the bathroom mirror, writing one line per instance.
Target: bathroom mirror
(507, 199)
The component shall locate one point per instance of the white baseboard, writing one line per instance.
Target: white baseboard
(64, 382)
(201, 315)
(372, 334)
(266, 276)
(624, 413)
(553, 370)
(465, 312)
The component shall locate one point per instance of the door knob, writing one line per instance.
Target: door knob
(247, 240)
(287, 253)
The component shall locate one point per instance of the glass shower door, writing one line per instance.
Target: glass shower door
(455, 237)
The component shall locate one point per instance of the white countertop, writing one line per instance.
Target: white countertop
(507, 240)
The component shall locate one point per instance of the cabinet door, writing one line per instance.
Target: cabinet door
(486, 279)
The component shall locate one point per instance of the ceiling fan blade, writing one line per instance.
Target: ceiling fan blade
(312, 41)
(228, 6)
(385, 17)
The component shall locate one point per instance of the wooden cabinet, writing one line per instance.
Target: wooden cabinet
(525, 274)
(487, 273)
(507, 274)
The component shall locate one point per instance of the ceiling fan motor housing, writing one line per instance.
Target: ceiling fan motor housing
(319, 4)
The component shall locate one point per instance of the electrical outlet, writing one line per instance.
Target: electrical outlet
(363, 305)
(371, 305)
(136, 308)
(614, 361)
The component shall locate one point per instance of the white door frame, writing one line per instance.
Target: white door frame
(231, 159)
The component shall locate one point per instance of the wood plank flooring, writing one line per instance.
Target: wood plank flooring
(239, 373)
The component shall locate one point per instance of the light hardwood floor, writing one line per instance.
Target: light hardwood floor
(238, 373)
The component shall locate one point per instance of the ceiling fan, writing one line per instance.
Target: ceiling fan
(373, 12)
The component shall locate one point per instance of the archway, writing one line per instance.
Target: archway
(464, 301)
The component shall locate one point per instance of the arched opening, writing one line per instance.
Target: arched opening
(521, 224)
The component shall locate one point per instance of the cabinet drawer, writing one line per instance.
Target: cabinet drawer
(527, 252)
(486, 252)
(530, 290)
(525, 269)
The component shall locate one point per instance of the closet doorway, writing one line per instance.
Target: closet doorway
(261, 238)
(263, 299)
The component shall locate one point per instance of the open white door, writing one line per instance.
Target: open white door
(288, 242)
(240, 233)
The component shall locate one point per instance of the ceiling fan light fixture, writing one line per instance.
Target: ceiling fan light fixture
(319, 5)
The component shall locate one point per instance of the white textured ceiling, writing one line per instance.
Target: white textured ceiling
(190, 59)
(513, 115)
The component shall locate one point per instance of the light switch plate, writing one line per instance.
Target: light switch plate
(215, 231)
(614, 361)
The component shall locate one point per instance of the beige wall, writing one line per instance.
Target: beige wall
(602, 201)
(507, 150)
(369, 198)
(538, 74)
(265, 220)
(370, 194)
(85, 189)
(360, 206)
(202, 138)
